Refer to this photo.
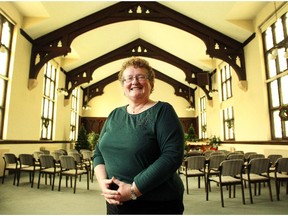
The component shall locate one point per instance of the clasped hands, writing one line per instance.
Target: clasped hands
(113, 195)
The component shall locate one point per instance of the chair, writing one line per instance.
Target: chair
(48, 166)
(10, 163)
(281, 174)
(193, 153)
(236, 156)
(247, 154)
(207, 153)
(195, 167)
(230, 174)
(36, 155)
(69, 168)
(258, 172)
(27, 164)
(213, 166)
(87, 159)
(273, 158)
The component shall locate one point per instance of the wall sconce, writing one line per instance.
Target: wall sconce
(86, 107)
(62, 91)
(212, 91)
(274, 54)
(190, 108)
(2, 49)
(286, 53)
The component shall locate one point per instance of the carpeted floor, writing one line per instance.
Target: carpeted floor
(24, 200)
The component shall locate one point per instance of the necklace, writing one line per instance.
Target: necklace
(137, 109)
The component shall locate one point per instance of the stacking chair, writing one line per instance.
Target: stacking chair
(69, 168)
(36, 155)
(194, 153)
(27, 164)
(230, 174)
(213, 166)
(49, 167)
(207, 153)
(273, 158)
(247, 154)
(258, 172)
(10, 163)
(195, 167)
(281, 174)
(87, 159)
(236, 156)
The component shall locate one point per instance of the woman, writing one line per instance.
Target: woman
(140, 149)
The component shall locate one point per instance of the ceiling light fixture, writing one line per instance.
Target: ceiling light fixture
(86, 107)
(62, 91)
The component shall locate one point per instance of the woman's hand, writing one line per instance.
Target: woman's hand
(111, 195)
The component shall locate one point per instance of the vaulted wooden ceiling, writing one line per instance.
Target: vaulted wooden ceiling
(167, 33)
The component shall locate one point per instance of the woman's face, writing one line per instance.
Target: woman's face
(136, 85)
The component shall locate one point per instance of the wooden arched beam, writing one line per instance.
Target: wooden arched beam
(137, 47)
(58, 42)
(181, 90)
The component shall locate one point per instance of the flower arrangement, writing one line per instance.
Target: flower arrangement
(214, 141)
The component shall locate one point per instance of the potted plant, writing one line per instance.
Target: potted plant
(93, 139)
(214, 142)
(82, 141)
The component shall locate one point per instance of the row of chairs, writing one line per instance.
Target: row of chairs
(72, 164)
(227, 171)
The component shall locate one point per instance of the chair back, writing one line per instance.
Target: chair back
(47, 161)
(27, 159)
(196, 162)
(274, 157)
(231, 167)
(36, 154)
(259, 165)
(10, 158)
(207, 153)
(76, 156)
(87, 155)
(215, 160)
(67, 162)
(252, 156)
(193, 153)
(56, 155)
(247, 154)
(282, 165)
(217, 153)
(235, 156)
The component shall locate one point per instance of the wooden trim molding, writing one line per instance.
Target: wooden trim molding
(268, 142)
(3, 142)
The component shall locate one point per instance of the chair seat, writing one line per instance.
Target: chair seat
(281, 176)
(225, 179)
(191, 173)
(255, 177)
(73, 172)
(29, 168)
(11, 166)
(51, 170)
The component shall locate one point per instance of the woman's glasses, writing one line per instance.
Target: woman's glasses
(139, 78)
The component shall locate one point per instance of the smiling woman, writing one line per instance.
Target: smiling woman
(139, 144)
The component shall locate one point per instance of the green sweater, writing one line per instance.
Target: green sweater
(146, 148)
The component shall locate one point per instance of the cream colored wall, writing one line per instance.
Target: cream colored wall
(114, 97)
(24, 105)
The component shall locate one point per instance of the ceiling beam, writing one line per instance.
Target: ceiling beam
(57, 43)
(137, 47)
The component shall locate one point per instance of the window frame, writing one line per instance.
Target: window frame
(274, 74)
(6, 71)
(48, 102)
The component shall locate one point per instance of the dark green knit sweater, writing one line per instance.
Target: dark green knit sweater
(146, 148)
